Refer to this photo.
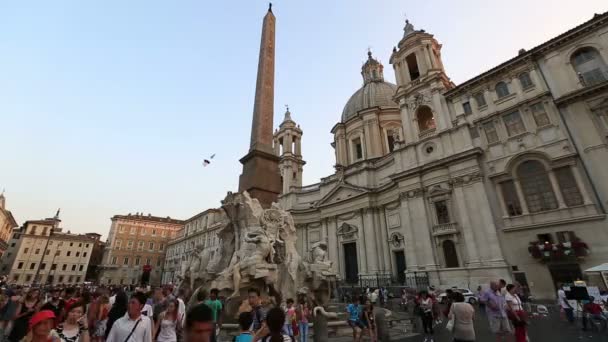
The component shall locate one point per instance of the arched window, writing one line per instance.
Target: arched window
(589, 66)
(525, 80)
(502, 89)
(536, 186)
(450, 255)
(426, 120)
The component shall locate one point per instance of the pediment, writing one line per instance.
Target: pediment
(341, 192)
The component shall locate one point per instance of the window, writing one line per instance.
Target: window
(137, 261)
(84, 254)
(77, 254)
(33, 230)
(502, 90)
(450, 255)
(53, 267)
(158, 262)
(525, 80)
(80, 245)
(567, 185)
(161, 246)
(57, 253)
(71, 244)
(358, 148)
(509, 195)
(113, 261)
(70, 278)
(163, 233)
(81, 267)
(48, 251)
(121, 228)
(73, 267)
(32, 266)
(589, 66)
(514, 123)
(69, 253)
(151, 245)
(130, 244)
(13, 244)
(390, 140)
(545, 238)
(117, 244)
(78, 279)
(426, 120)
(44, 230)
(153, 232)
(133, 230)
(140, 245)
(125, 261)
(20, 266)
(147, 261)
(60, 243)
(540, 115)
(87, 245)
(566, 236)
(412, 66)
(466, 106)
(37, 251)
(28, 277)
(43, 266)
(60, 279)
(536, 186)
(50, 243)
(491, 134)
(25, 250)
(64, 267)
(441, 210)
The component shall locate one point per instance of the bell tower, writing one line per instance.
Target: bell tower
(288, 146)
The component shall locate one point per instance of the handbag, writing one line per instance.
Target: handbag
(450, 325)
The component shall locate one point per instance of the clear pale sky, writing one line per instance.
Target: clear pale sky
(109, 107)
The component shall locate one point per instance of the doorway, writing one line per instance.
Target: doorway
(401, 266)
(565, 273)
(351, 268)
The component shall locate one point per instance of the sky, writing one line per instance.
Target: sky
(109, 107)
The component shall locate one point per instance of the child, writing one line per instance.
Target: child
(245, 322)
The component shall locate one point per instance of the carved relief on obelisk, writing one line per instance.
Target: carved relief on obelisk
(261, 177)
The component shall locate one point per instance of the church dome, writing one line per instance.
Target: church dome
(374, 93)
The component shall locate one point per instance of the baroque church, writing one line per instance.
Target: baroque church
(502, 176)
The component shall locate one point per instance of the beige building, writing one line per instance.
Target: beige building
(44, 254)
(7, 223)
(500, 176)
(199, 232)
(134, 242)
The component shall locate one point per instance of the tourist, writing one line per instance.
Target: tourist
(463, 314)
(8, 311)
(181, 305)
(55, 304)
(245, 321)
(354, 318)
(75, 327)
(275, 320)
(133, 327)
(503, 287)
(160, 303)
(169, 322)
(258, 312)
(28, 305)
(516, 313)
(216, 307)
(425, 303)
(199, 324)
(290, 318)
(373, 297)
(101, 318)
(39, 327)
(565, 305)
(369, 322)
(118, 310)
(303, 314)
(496, 312)
(404, 299)
(593, 311)
(478, 295)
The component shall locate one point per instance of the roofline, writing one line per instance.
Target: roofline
(155, 219)
(201, 214)
(575, 31)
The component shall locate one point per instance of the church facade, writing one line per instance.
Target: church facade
(502, 176)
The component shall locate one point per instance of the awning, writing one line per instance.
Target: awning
(598, 268)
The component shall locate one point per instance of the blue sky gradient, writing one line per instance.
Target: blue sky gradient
(109, 107)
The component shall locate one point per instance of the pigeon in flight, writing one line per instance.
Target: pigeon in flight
(206, 162)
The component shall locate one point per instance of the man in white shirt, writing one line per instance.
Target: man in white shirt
(563, 302)
(132, 327)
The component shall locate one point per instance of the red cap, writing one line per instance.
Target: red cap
(41, 316)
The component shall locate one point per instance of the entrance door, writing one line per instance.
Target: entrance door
(520, 277)
(400, 262)
(351, 269)
(565, 273)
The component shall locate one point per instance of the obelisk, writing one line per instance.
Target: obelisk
(261, 177)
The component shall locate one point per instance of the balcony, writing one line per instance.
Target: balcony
(445, 229)
(427, 133)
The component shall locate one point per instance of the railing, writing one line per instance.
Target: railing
(417, 280)
(427, 133)
(446, 228)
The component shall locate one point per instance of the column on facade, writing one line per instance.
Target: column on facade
(520, 197)
(427, 57)
(423, 67)
(362, 243)
(429, 51)
(330, 228)
(287, 140)
(501, 201)
(406, 123)
(369, 142)
(377, 137)
(298, 141)
(556, 190)
(371, 249)
(420, 224)
(408, 233)
(578, 178)
(287, 177)
(470, 240)
(482, 205)
(441, 119)
(382, 237)
(277, 147)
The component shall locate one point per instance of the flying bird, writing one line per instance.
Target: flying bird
(208, 161)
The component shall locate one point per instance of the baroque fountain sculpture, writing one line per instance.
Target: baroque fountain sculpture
(257, 249)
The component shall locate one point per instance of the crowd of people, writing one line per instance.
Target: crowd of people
(127, 314)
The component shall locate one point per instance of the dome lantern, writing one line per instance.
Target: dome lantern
(372, 70)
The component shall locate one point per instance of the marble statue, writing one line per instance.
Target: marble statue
(257, 249)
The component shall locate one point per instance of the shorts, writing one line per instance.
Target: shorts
(356, 324)
(500, 325)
